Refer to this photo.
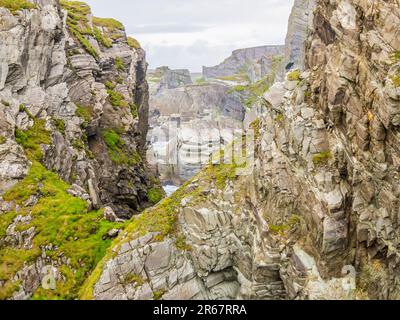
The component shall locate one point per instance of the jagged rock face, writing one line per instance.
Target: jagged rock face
(82, 101)
(165, 78)
(48, 71)
(300, 23)
(240, 59)
(188, 124)
(321, 198)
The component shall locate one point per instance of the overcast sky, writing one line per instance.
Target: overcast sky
(192, 33)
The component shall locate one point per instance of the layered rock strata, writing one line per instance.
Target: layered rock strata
(315, 215)
(73, 126)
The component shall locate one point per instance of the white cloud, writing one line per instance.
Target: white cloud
(193, 33)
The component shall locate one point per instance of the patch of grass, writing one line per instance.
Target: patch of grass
(101, 38)
(181, 244)
(60, 125)
(256, 126)
(109, 23)
(109, 85)
(322, 157)
(278, 229)
(396, 56)
(161, 219)
(370, 280)
(133, 43)
(117, 149)
(78, 23)
(396, 80)
(32, 139)
(221, 174)
(3, 139)
(17, 5)
(201, 81)
(133, 278)
(294, 75)
(78, 144)
(239, 88)
(24, 109)
(85, 113)
(119, 64)
(134, 110)
(61, 220)
(116, 99)
(85, 43)
(239, 77)
(157, 295)
(155, 195)
(280, 117)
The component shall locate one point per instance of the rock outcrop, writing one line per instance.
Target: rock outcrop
(188, 124)
(240, 61)
(300, 23)
(315, 214)
(73, 126)
(165, 78)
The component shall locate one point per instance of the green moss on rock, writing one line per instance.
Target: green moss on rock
(396, 80)
(155, 195)
(60, 125)
(116, 99)
(60, 220)
(322, 157)
(78, 23)
(32, 139)
(117, 150)
(85, 113)
(109, 23)
(16, 5)
(294, 75)
(133, 43)
(119, 64)
(101, 38)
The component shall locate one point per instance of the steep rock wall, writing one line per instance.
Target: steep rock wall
(241, 59)
(316, 214)
(73, 125)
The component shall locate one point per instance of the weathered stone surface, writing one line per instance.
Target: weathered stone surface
(239, 58)
(188, 124)
(317, 217)
(46, 74)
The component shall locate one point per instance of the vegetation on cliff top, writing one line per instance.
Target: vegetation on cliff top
(16, 5)
(109, 23)
(104, 30)
(117, 150)
(133, 43)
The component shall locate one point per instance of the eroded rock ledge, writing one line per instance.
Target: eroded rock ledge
(73, 125)
(321, 198)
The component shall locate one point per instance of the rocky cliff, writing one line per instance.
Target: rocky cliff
(300, 23)
(316, 214)
(188, 124)
(165, 78)
(73, 125)
(243, 59)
